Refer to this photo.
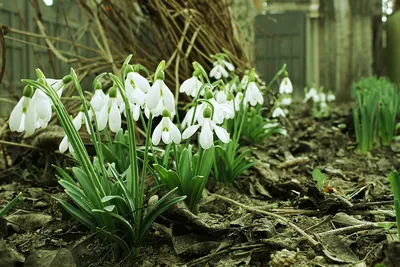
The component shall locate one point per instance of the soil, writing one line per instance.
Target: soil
(273, 216)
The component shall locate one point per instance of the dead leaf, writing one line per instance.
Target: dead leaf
(337, 250)
(8, 255)
(31, 221)
(48, 258)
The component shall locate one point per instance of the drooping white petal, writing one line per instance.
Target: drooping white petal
(102, 118)
(228, 65)
(175, 133)
(166, 137)
(223, 71)
(99, 100)
(30, 119)
(286, 86)
(114, 119)
(156, 137)
(190, 131)
(278, 112)
(135, 111)
(286, 101)
(188, 86)
(214, 71)
(221, 133)
(141, 82)
(63, 145)
(16, 114)
(168, 98)
(77, 121)
(57, 85)
(206, 135)
(154, 95)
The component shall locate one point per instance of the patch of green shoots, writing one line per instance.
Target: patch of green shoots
(394, 179)
(377, 104)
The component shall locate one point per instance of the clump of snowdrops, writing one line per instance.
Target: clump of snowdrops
(377, 106)
(320, 101)
(110, 191)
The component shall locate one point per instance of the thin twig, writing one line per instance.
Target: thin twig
(312, 241)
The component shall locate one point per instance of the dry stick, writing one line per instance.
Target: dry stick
(295, 227)
(355, 228)
(56, 39)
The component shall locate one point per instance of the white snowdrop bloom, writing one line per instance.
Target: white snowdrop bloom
(208, 127)
(228, 65)
(253, 94)
(187, 120)
(43, 111)
(191, 87)
(110, 113)
(135, 110)
(312, 94)
(23, 116)
(57, 85)
(77, 122)
(331, 97)
(221, 112)
(160, 93)
(221, 97)
(218, 71)
(99, 100)
(136, 87)
(244, 81)
(286, 101)
(167, 131)
(286, 86)
(278, 112)
(231, 87)
(239, 98)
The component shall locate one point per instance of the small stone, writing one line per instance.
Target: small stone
(40, 204)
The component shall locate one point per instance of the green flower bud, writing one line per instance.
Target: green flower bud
(113, 92)
(129, 68)
(208, 95)
(28, 91)
(98, 86)
(285, 74)
(40, 74)
(67, 79)
(197, 73)
(207, 112)
(230, 96)
(82, 108)
(165, 113)
(160, 75)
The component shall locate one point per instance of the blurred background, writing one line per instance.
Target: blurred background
(328, 43)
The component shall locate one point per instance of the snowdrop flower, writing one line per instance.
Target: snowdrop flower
(286, 101)
(77, 122)
(136, 87)
(43, 111)
(160, 95)
(208, 127)
(331, 97)
(253, 94)
(23, 116)
(57, 85)
(219, 71)
(110, 113)
(278, 112)
(286, 86)
(322, 97)
(238, 100)
(187, 120)
(231, 87)
(99, 100)
(166, 130)
(191, 87)
(312, 93)
(244, 81)
(221, 111)
(221, 96)
(271, 125)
